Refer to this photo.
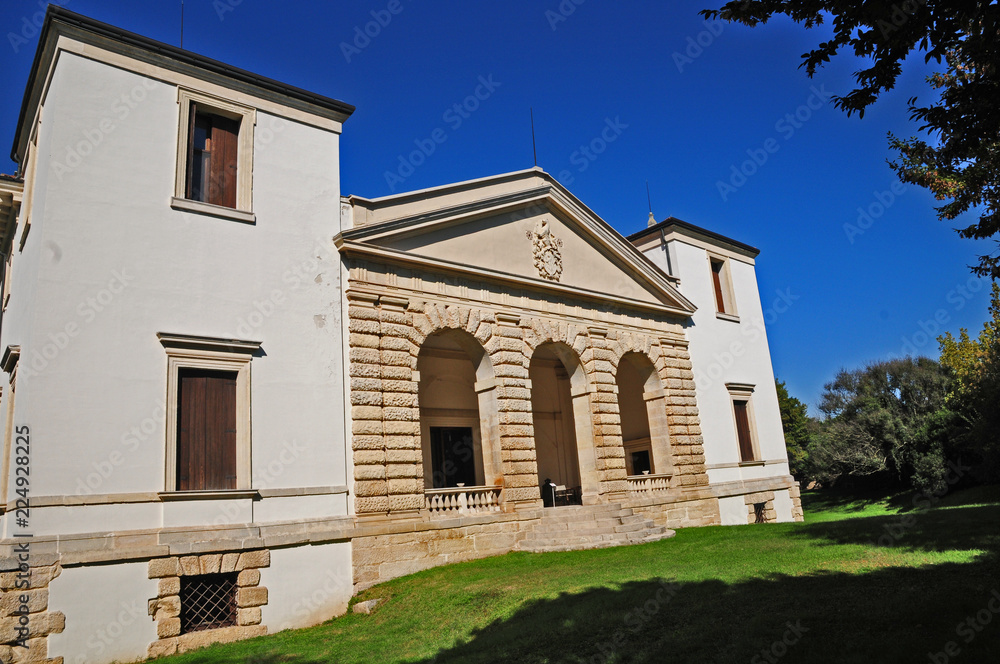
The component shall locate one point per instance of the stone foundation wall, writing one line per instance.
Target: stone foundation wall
(21, 608)
(378, 558)
(680, 514)
(797, 513)
(766, 497)
(165, 608)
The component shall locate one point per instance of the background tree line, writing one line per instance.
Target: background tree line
(904, 423)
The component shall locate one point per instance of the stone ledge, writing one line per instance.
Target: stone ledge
(187, 642)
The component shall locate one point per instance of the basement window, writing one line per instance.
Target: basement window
(208, 601)
(758, 512)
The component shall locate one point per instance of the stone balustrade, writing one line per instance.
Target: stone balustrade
(462, 500)
(645, 484)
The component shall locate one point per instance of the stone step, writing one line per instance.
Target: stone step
(590, 526)
(538, 547)
(558, 514)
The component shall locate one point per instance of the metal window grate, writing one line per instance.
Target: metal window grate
(208, 601)
(758, 512)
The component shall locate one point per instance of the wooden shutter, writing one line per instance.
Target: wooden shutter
(225, 148)
(720, 302)
(206, 431)
(743, 430)
(193, 112)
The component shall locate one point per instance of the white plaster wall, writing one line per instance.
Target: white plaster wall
(724, 351)
(306, 585)
(783, 506)
(106, 225)
(733, 510)
(106, 614)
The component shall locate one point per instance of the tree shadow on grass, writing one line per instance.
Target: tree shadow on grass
(962, 529)
(889, 615)
(895, 614)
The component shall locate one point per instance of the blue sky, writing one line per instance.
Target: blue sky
(684, 102)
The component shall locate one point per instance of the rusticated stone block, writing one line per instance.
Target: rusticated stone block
(249, 597)
(401, 471)
(369, 472)
(165, 608)
(371, 504)
(368, 457)
(406, 502)
(229, 562)
(248, 577)
(254, 559)
(38, 600)
(409, 428)
(402, 486)
(211, 563)
(366, 412)
(248, 616)
(168, 627)
(403, 456)
(190, 565)
(171, 585)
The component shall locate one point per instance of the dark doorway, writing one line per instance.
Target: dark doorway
(453, 457)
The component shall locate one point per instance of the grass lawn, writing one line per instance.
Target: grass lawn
(881, 580)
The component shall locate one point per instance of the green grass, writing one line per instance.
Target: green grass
(865, 581)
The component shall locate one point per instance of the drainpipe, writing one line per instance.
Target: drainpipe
(666, 250)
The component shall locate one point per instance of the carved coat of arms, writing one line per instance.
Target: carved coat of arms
(545, 247)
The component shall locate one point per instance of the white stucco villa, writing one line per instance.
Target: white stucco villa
(232, 397)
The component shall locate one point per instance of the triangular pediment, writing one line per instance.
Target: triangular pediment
(530, 229)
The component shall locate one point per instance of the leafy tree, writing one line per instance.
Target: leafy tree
(961, 162)
(795, 422)
(975, 365)
(878, 420)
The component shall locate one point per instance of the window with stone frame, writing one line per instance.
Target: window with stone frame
(208, 601)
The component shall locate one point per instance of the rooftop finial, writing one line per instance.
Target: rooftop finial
(652, 219)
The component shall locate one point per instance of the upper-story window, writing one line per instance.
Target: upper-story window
(722, 286)
(212, 162)
(214, 157)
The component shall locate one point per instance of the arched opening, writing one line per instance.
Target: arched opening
(642, 410)
(458, 414)
(560, 408)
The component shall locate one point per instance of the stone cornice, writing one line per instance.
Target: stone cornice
(393, 256)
